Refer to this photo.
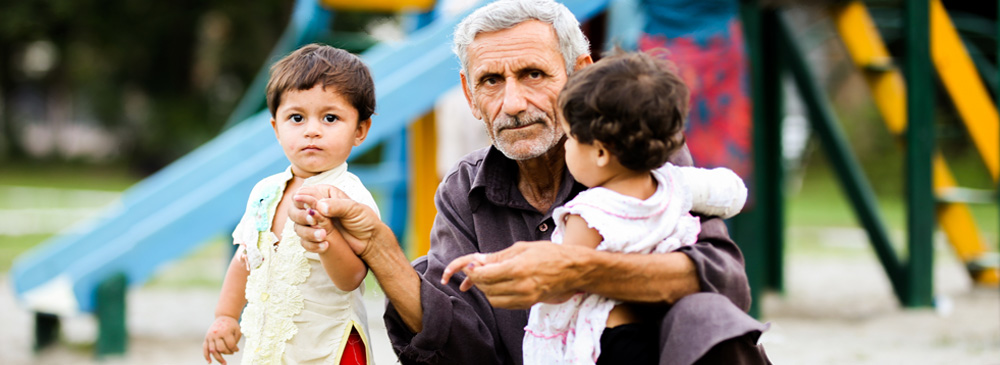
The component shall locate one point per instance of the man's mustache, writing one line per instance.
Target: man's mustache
(506, 121)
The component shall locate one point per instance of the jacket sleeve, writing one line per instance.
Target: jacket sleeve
(716, 257)
(719, 263)
(458, 327)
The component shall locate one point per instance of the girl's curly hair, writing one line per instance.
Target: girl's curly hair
(633, 104)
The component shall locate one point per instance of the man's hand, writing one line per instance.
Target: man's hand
(466, 264)
(523, 274)
(324, 214)
(221, 338)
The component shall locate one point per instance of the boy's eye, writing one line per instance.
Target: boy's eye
(330, 118)
(297, 118)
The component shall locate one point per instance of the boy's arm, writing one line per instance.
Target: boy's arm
(233, 296)
(224, 334)
(342, 265)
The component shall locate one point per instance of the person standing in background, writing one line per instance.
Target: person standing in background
(704, 39)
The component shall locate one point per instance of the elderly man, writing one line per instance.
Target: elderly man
(516, 56)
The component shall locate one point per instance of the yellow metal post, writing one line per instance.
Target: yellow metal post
(391, 6)
(968, 93)
(863, 42)
(424, 182)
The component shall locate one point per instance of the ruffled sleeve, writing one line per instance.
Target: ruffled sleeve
(714, 192)
(255, 225)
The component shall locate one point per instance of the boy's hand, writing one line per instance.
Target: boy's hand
(221, 338)
(311, 195)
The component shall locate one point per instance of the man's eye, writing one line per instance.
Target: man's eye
(330, 118)
(535, 74)
(297, 118)
(490, 81)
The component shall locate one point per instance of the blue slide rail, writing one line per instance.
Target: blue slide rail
(202, 195)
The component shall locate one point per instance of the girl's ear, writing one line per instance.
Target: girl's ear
(362, 132)
(603, 157)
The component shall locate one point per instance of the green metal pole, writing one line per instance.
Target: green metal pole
(112, 332)
(919, 147)
(848, 170)
(747, 227)
(768, 157)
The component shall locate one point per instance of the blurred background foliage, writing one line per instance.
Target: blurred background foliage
(129, 82)
(161, 77)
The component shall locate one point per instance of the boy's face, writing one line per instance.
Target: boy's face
(317, 129)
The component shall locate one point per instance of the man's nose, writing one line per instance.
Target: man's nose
(514, 97)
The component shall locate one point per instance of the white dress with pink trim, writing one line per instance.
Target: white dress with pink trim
(570, 332)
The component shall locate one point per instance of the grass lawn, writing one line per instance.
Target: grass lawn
(67, 176)
(12, 246)
(821, 202)
(74, 176)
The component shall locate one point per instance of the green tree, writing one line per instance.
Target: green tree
(164, 75)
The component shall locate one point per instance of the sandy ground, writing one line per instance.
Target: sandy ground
(835, 310)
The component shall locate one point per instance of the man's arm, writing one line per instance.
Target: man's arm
(532, 272)
(528, 273)
(460, 329)
(397, 278)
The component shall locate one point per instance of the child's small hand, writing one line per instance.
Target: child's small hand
(320, 245)
(466, 264)
(222, 338)
(327, 232)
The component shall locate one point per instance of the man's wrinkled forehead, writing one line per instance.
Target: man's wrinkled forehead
(530, 43)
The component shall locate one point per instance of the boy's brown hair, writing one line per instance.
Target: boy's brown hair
(633, 104)
(330, 67)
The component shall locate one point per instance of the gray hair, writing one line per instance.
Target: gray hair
(505, 14)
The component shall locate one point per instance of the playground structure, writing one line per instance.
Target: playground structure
(906, 105)
(200, 196)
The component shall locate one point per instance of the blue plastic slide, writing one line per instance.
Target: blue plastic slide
(202, 195)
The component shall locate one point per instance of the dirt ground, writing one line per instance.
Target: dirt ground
(834, 310)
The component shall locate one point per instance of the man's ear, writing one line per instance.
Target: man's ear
(468, 96)
(362, 131)
(603, 157)
(583, 61)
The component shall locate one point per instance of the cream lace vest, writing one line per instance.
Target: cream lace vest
(294, 313)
